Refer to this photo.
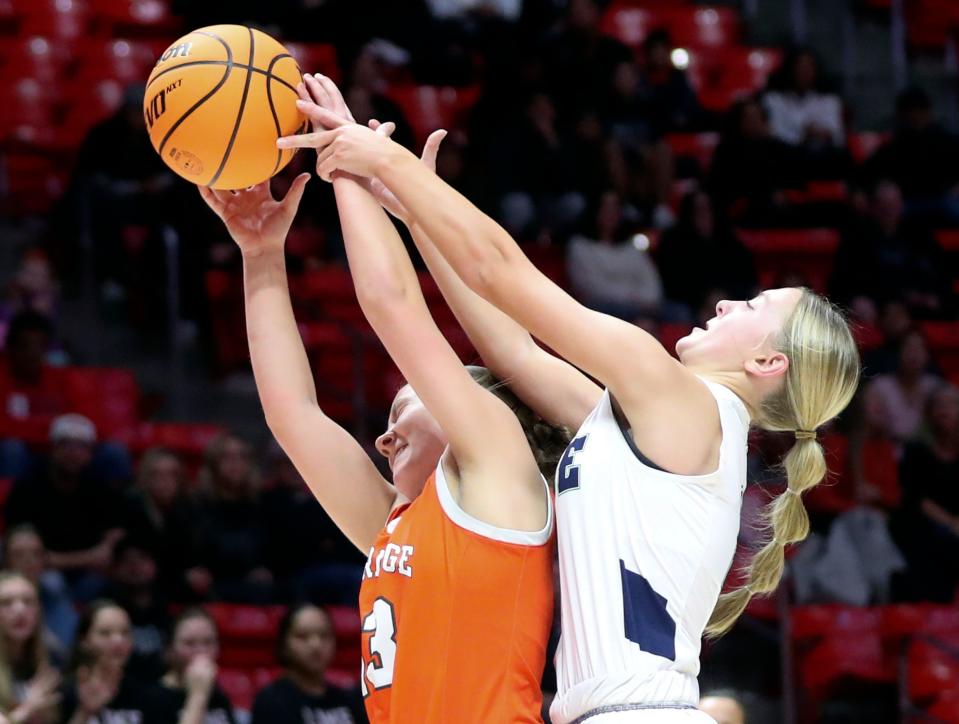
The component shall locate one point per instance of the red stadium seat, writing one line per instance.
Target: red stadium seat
(187, 439)
(943, 338)
(62, 19)
(128, 61)
(110, 397)
(34, 56)
(689, 26)
(33, 181)
(948, 239)
(628, 24)
(862, 145)
(723, 76)
(808, 252)
(315, 58)
(428, 107)
(136, 17)
(946, 707)
(932, 667)
(698, 146)
(247, 633)
(242, 685)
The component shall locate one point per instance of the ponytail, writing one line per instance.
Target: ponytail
(821, 379)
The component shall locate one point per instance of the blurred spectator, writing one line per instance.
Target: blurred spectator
(928, 526)
(580, 58)
(505, 9)
(33, 287)
(610, 268)
(922, 158)
(366, 91)
(700, 254)
(133, 586)
(671, 104)
(309, 555)
(28, 682)
(305, 646)
(886, 257)
(165, 518)
(751, 168)
(100, 688)
(32, 392)
(121, 185)
(900, 398)
(535, 174)
(188, 692)
(724, 707)
(872, 458)
(74, 512)
(232, 537)
(24, 554)
(805, 116)
(894, 322)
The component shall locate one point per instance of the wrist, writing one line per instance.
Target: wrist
(393, 161)
(265, 250)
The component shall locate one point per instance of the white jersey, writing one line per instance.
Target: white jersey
(643, 555)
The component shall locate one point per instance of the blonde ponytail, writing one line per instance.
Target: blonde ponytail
(821, 380)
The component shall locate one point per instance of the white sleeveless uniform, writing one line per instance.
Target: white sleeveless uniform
(643, 555)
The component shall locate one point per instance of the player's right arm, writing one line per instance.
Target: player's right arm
(337, 470)
(553, 388)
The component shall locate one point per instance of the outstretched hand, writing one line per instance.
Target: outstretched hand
(256, 221)
(323, 103)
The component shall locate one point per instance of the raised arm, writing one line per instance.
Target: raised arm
(553, 388)
(504, 488)
(337, 470)
(629, 361)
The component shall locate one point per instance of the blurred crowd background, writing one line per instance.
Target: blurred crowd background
(652, 156)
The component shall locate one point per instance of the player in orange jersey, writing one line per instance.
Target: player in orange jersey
(457, 592)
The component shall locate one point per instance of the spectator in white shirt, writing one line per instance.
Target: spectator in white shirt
(800, 113)
(610, 267)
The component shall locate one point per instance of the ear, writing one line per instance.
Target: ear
(772, 364)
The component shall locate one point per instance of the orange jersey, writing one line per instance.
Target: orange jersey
(456, 615)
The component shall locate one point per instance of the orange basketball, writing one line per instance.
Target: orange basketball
(216, 102)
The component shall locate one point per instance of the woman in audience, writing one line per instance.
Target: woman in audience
(232, 537)
(902, 396)
(28, 682)
(304, 648)
(100, 690)
(928, 526)
(25, 553)
(609, 271)
(188, 692)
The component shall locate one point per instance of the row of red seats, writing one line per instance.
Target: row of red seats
(833, 644)
(70, 19)
(700, 147)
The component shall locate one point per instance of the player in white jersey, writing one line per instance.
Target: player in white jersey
(649, 491)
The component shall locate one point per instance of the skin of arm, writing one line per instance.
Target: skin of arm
(554, 389)
(657, 394)
(337, 470)
(475, 421)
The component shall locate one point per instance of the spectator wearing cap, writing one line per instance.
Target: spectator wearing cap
(922, 158)
(74, 511)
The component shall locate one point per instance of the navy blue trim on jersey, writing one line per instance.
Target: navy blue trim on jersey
(646, 619)
(624, 428)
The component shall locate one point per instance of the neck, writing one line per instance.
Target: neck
(314, 684)
(738, 384)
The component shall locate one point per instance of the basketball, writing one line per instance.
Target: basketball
(216, 102)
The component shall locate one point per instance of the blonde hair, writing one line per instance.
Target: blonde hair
(821, 380)
(35, 654)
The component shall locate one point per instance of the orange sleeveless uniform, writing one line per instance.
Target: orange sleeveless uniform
(455, 615)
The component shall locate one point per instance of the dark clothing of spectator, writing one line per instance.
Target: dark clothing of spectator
(746, 175)
(931, 548)
(872, 264)
(670, 103)
(283, 702)
(579, 65)
(150, 627)
(691, 266)
(134, 703)
(68, 519)
(170, 703)
(924, 163)
(233, 544)
(172, 537)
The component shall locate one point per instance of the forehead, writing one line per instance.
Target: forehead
(310, 618)
(196, 626)
(404, 397)
(109, 617)
(15, 587)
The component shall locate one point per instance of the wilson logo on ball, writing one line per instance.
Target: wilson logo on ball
(177, 51)
(157, 105)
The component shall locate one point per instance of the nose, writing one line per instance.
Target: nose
(722, 306)
(385, 443)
